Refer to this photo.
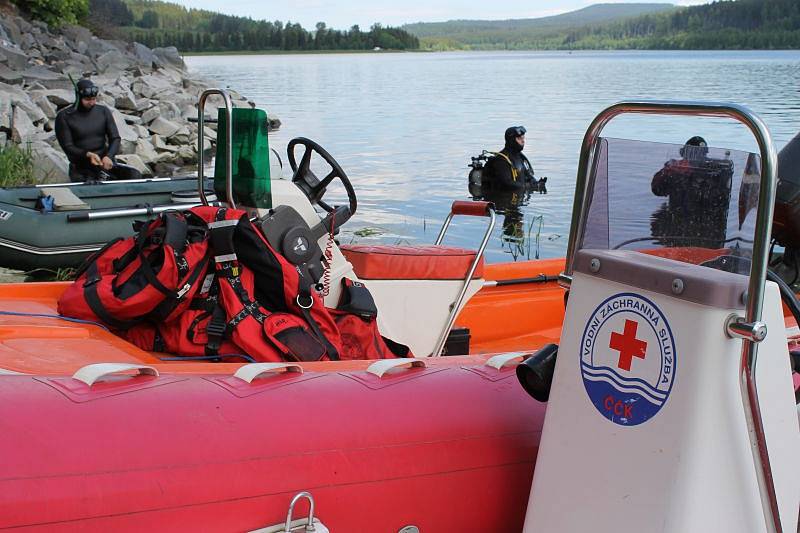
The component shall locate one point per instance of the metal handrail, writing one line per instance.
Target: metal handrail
(442, 340)
(228, 144)
(758, 270)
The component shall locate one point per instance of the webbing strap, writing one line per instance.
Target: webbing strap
(514, 171)
(304, 295)
(96, 305)
(215, 330)
(168, 305)
(176, 231)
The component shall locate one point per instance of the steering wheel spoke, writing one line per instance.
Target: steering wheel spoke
(328, 179)
(305, 162)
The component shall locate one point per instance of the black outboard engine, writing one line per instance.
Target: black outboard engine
(786, 224)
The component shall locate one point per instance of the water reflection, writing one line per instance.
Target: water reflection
(698, 192)
(520, 240)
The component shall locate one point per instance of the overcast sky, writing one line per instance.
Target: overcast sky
(344, 13)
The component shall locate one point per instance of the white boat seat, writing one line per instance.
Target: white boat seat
(425, 262)
(64, 199)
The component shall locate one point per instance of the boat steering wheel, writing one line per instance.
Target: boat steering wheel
(315, 188)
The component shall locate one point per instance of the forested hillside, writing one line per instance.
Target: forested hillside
(155, 23)
(771, 24)
(732, 24)
(518, 31)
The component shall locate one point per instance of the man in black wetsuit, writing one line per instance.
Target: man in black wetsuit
(88, 135)
(509, 168)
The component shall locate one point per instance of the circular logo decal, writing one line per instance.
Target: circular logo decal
(628, 359)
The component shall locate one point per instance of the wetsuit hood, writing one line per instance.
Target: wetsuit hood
(512, 146)
(83, 89)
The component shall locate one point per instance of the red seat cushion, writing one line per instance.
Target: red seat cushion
(411, 262)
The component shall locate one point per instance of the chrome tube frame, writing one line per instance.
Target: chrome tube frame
(437, 350)
(228, 144)
(758, 272)
(129, 212)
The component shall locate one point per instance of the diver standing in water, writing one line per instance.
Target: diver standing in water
(88, 135)
(509, 168)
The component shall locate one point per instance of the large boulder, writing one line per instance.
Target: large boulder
(144, 56)
(98, 47)
(194, 87)
(152, 86)
(136, 162)
(164, 127)
(169, 57)
(15, 58)
(28, 42)
(77, 34)
(146, 151)
(161, 145)
(45, 105)
(60, 97)
(123, 98)
(46, 77)
(50, 165)
(6, 111)
(113, 61)
(181, 137)
(19, 98)
(7, 75)
(11, 30)
(22, 127)
(126, 133)
(150, 115)
(55, 55)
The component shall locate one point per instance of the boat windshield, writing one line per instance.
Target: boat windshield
(689, 203)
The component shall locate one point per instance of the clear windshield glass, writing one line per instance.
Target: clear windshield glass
(690, 203)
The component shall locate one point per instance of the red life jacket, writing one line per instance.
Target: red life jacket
(356, 318)
(152, 276)
(161, 289)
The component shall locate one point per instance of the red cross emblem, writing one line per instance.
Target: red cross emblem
(628, 345)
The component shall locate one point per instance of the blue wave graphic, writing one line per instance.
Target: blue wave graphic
(626, 389)
(599, 369)
(624, 384)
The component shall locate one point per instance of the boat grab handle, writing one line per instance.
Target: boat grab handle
(503, 359)
(255, 370)
(475, 209)
(90, 374)
(379, 368)
(461, 207)
(228, 136)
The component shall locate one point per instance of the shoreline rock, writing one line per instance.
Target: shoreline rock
(151, 93)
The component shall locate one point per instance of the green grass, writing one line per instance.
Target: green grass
(368, 232)
(48, 274)
(16, 165)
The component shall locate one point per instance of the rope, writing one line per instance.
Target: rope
(326, 273)
(59, 317)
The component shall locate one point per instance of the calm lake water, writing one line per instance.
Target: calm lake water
(403, 126)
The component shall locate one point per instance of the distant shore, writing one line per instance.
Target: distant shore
(296, 52)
